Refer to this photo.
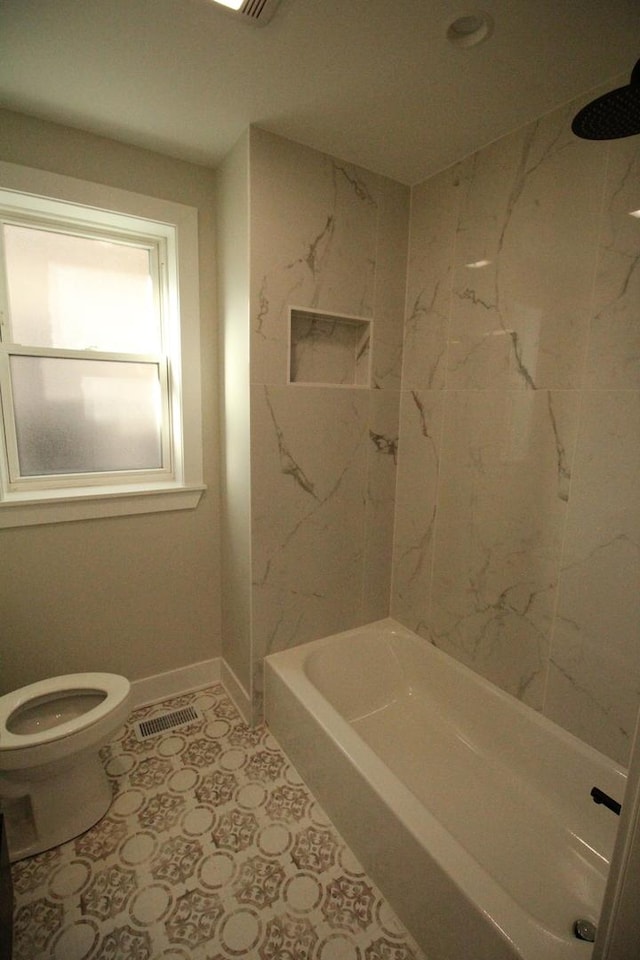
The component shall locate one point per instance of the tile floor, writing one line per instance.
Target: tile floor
(213, 849)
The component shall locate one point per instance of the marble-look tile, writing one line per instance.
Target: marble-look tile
(310, 448)
(434, 215)
(479, 349)
(213, 848)
(614, 355)
(598, 616)
(552, 311)
(591, 692)
(313, 243)
(522, 276)
(505, 468)
(326, 238)
(416, 500)
(529, 214)
(382, 459)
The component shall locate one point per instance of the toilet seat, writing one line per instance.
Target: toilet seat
(114, 687)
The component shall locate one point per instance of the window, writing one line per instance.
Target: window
(99, 322)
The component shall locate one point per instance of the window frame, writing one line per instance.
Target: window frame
(38, 198)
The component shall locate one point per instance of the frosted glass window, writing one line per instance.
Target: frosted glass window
(83, 416)
(80, 293)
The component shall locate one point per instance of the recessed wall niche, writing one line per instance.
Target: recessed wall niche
(329, 349)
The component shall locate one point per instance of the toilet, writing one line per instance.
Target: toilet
(53, 785)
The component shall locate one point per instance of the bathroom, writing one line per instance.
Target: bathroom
(484, 491)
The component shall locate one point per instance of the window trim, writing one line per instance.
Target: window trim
(57, 196)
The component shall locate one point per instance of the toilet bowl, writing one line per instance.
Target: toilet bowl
(53, 785)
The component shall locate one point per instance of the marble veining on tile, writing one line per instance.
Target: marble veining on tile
(213, 849)
(516, 529)
(328, 241)
(309, 497)
(614, 344)
(314, 243)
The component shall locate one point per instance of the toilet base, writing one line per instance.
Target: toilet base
(43, 813)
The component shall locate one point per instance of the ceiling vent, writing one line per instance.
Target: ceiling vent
(259, 12)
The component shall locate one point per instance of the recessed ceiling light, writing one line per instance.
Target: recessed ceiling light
(232, 4)
(635, 213)
(471, 29)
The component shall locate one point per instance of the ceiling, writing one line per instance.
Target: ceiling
(374, 82)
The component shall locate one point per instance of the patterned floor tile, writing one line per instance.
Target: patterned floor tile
(213, 849)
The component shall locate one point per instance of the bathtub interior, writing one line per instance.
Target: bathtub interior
(384, 673)
(358, 675)
(509, 786)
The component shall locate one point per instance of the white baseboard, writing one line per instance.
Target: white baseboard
(174, 682)
(237, 692)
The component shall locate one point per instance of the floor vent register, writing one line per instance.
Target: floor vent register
(166, 721)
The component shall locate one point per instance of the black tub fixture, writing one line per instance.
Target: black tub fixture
(599, 796)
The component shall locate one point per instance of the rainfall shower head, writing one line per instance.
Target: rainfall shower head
(615, 114)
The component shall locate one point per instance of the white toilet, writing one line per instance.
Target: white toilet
(53, 786)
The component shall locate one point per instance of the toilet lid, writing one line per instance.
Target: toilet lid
(115, 689)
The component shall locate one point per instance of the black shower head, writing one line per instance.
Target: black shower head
(616, 114)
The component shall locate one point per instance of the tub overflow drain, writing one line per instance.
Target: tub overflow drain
(585, 930)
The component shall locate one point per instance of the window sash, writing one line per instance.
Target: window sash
(155, 246)
(15, 481)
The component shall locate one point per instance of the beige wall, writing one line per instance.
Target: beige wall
(233, 264)
(133, 595)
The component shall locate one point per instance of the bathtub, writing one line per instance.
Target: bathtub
(470, 811)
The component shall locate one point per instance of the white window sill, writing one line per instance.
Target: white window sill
(21, 510)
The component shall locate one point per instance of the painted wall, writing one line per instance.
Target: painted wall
(132, 595)
(517, 518)
(233, 270)
(325, 236)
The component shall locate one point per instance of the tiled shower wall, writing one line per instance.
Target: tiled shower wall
(324, 236)
(517, 514)
(516, 507)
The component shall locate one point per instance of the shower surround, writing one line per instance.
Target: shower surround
(517, 520)
(309, 539)
(482, 489)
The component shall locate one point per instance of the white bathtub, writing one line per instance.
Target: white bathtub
(470, 811)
